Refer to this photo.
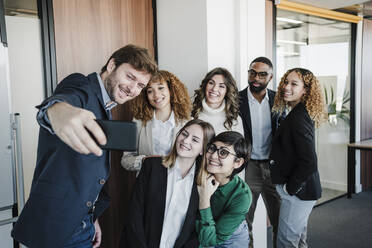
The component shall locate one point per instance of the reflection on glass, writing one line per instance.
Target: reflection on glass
(26, 8)
(322, 46)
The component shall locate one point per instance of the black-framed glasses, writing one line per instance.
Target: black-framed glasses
(262, 74)
(222, 151)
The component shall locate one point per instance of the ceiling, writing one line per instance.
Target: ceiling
(364, 7)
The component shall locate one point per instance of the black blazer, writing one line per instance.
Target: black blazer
(244, 112)
(294, 160)
(65, 183)
(146, 210)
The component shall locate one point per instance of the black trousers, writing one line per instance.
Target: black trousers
(257, 176)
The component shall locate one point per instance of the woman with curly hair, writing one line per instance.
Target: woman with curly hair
(160, 111)
(300, 106)
(217, 101)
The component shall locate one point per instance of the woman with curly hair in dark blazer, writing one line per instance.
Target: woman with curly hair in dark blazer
(299, 103)
(160, 111)
(217, 101)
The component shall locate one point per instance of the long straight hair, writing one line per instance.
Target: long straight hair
(231, 97)
(208, 134)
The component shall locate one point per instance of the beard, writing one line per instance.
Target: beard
(110, 86)
(256, 89)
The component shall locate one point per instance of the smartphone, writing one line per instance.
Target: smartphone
(120, 135)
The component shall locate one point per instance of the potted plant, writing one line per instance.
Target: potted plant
(333, 114)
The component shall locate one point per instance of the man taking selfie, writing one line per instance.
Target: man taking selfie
(67, 194)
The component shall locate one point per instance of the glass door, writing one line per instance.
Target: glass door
(322, 46)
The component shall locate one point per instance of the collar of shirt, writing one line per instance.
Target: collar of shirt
(106, 98)
(228, 187)
(170, 122)
(178, 174)
(211, 110)
(252, 99)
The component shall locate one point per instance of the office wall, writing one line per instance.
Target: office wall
(182, 39)
(27, 85)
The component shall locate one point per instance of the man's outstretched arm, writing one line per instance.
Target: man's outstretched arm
(71, 123)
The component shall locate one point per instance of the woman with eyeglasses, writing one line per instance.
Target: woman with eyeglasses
(224, 198)
(299, 103)
(162, 108)
(217, 101)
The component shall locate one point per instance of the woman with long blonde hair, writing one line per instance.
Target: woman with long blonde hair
(164, 203)
(300, 107)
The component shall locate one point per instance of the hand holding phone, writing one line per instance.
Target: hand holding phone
(120, 135)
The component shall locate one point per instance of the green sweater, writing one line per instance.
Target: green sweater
(229, 205)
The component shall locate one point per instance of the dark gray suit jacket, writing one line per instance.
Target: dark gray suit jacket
(244, 112)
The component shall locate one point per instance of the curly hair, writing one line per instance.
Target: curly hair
(179, 99)
(312, 99)
(231, 97)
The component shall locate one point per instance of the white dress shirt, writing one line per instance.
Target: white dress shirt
(261, 126)
(176, 205)
(162, 135)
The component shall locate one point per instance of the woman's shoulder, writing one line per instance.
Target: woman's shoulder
(152, 163)
(300, 117)
(242, 191)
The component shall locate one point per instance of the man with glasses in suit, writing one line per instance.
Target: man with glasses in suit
(256, 102)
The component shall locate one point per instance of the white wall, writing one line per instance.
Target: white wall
(221, 30)
(27, 89)
(182, 40)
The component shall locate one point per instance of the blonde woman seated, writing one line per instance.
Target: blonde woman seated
(164, 203)
(160, 111)
(217, 101)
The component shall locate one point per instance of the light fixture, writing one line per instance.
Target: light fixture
(292, 42)
(283, 19)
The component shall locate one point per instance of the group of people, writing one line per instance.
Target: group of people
(190, 189)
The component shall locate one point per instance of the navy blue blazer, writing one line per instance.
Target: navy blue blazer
(65, 183)
(245, 113)
(146, 210)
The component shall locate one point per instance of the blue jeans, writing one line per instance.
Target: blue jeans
(293, 216)
(83, 234)
(240, 238)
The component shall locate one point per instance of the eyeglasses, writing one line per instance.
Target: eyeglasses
(262, 74)
(222, 151)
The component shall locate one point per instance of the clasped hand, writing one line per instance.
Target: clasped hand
(208, 186)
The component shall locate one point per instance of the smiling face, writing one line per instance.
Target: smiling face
(222, 167)
(259, 75)
(158, 95)
(189, 143)
(215, 91)
(293, 89)
(124, 83)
